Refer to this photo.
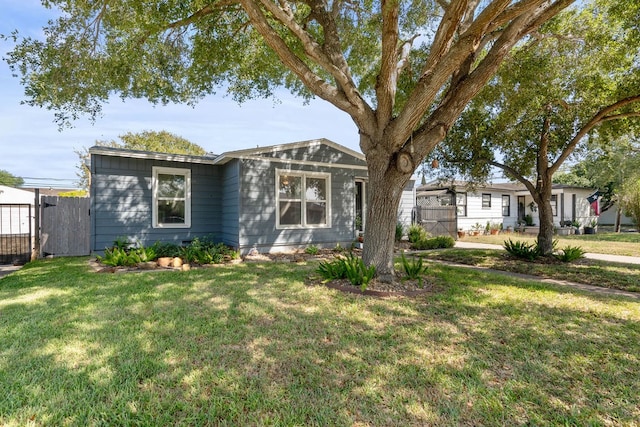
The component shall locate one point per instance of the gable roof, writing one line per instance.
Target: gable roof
(212, 159)
(259, 152)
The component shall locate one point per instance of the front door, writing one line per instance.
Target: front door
(521, 209)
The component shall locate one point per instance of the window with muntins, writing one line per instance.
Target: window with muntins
(303, 199)
(171, 198)
(506, 205)
(486, 201)
(461, 204)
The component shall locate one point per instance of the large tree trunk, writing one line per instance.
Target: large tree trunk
(386, 183)
(545, 215)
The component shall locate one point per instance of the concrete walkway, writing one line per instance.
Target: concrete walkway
(602, 257)
(8, 269)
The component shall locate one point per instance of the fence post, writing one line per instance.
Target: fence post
(36, 222)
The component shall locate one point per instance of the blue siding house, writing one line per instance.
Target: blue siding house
(269, 198)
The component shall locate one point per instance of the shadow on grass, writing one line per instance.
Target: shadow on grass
(251, 344)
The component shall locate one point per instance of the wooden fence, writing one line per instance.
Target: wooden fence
(64, 226)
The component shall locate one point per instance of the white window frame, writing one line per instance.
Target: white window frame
(158, 170)
(461, 206)
(304, 175)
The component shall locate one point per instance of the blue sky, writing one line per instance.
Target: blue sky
(33, 147)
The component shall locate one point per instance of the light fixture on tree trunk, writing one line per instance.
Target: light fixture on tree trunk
(434, 164)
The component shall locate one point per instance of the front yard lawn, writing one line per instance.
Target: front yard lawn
(588, 271)
(252, 344)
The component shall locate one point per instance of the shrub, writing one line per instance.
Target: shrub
(349, 267)
(437, 242)
(164, 249)
(414, 269)
(399, 231)
(312, 250)
(117, 257)
(416, 233)
(570, 253)
(521, 249)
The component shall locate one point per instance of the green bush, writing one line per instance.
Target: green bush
(414, 269)
(570, 253)
(349, 267)
(521, 249)
(437, 242)
(399, 231)
(312, 250)
(117, 257)
(416, 233)
(165, 249)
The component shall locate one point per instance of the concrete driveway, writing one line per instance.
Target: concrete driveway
(7, 269)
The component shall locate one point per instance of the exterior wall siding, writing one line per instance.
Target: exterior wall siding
(121, 202)
(231, 204)
(257, 216)
(316, 154)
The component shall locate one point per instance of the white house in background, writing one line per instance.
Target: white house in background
(507, 204)
(15, 220)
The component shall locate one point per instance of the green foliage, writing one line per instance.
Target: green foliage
(117, 257)
(416, 233)
(10, 180)
(166, 249)
(630, 199)
(521, 249)
(570, 253)
(414, 268)
(348, 267)
(399, 231)
(312, 250)
(438, 242)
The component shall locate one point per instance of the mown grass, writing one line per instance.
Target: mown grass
(616, 243)
(253, 345)
(587, 271)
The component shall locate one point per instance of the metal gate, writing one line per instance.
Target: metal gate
(64, 226)
(438, 220)
(15, 233)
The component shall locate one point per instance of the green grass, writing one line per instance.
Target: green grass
(616, 243)
(253, 345)
(588, 271)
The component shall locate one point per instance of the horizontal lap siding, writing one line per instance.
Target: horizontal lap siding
(317, 154)
(231, 203)
(258, 208)
(122, 199)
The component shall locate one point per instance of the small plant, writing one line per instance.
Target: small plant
(570, 253)
(414, 269)
(528, 220)
(116, 257)
(349, 267)
(521, 249)
(312, 250)
(416, 233)
(399, 231)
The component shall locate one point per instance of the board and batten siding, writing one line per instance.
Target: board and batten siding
(231, 203)
(121, 202)
(258, 212)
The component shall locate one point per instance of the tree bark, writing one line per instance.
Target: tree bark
(386, 183)
(545, 216)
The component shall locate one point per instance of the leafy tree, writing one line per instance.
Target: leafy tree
(157, 141)
(606, 168)
(402, 70)
(573, 85)
(10, 180)
(630, 199)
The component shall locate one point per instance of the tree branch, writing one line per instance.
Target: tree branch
(387, 81)
(600, 117)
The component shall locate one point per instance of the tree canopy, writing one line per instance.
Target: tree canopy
(402, 70)
(156, 141)
(10, 180)
(573, 86)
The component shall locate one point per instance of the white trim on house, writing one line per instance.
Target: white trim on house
(303, 200)
(255, 152)
(157, 170)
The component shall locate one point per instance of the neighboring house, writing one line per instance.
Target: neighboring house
(16, 225)
(608, 217)
(13, 218)
(503, 203)
(268, 198)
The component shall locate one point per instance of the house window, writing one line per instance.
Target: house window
(506, 205)
(303, 199)
(554, 204)
(486, 201)
(461, 204)
(171, 198)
